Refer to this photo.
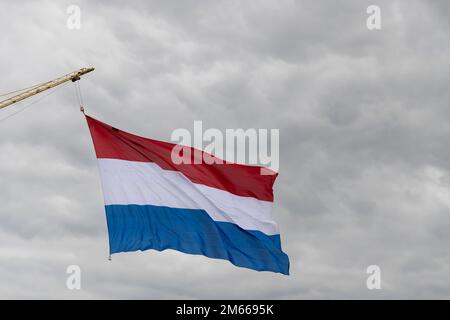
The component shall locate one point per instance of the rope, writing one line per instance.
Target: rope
(28, 88)
(21, 90)
(30, 104)
(81, 95)
(77, 95)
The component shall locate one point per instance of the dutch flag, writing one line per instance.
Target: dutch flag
(220, 211)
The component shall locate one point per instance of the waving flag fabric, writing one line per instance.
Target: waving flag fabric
(216, 210)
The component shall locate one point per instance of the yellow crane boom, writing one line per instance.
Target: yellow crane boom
(74, 76)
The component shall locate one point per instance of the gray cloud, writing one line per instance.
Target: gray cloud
(364, 176)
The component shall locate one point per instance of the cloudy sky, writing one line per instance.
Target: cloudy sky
(364, 127)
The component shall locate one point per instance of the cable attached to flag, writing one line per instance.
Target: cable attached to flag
(79, 95)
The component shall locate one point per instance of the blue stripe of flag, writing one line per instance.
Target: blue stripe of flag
(143, 227)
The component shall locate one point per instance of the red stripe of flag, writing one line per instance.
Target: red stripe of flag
(242, 180)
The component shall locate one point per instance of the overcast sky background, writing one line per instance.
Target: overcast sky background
(364, 131)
